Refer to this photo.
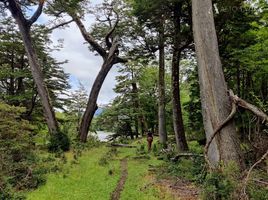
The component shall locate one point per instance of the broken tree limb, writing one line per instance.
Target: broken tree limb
(243, 193)
(236, 101)
(185, 155)
(217, 130)
(123, 145)
(242, 103)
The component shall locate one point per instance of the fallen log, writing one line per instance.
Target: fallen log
(186, 155)
(122, 145)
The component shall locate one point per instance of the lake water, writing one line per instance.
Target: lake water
(102, 135)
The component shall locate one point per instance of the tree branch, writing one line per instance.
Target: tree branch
(255, 110)
(231, 115)
(236, 101)
(60, 25)
(37, 13)
(88, 37)
(244, 194)
(108, 35)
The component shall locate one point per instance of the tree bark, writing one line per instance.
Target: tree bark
(24, 27)
(161, 89)
(176, 99)
(216, 105)
(93, 96)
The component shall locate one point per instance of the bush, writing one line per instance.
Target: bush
(18, 161)
(217, 187)
(58, 142)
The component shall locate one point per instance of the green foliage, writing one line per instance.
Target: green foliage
(222, 184)
(257, 192)
(111, 154)
(195, 147)
(59, 141)
(18, 168)
(217, 187)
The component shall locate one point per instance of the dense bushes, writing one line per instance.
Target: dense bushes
(17, 159)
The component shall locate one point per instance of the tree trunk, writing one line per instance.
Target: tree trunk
(92, 103)
(216, 105)
(36, 70)
(161, 90)
(176, 102)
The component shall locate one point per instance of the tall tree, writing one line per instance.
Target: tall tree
(25, 24)
(181, 39)
(16, 82)
(215, 102)
(153, 14)
(108, 50)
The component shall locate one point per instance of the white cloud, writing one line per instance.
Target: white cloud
(82, 64)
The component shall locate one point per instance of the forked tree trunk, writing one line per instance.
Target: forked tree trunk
(176, 99)
(216, 105)
(24, 28)
(161, 90)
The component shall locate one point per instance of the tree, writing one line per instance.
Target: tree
(78, 102)
(182, 38)
(16, 82)
(109, 51)
(24, 24)
(153, 15)
(215, 102)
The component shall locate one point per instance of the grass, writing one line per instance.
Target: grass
(85, 180)
(89, 180)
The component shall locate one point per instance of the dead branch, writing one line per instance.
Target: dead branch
(185, 155)
(122, 145)
(255, 110)
(60, 25)
(236, 101)
(231, 115)
(243, 193)
(260, 181)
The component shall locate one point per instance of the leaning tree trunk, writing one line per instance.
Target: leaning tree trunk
(94, 93)
(176, 99)
(35, 69)
(161, 90)
(216, 105)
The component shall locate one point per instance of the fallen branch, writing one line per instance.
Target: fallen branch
(231, 115)
(255, 110)
(260, 181)
(185, 155)
(244, 194)
(236, 101)
(123, 145)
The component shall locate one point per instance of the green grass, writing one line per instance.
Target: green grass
(86, 180)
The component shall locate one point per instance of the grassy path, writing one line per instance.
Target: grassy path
(88, 180)
(85, 180)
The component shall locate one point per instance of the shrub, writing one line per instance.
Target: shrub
(59, 141)
(17, 158)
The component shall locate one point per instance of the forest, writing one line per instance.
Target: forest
(187, 119)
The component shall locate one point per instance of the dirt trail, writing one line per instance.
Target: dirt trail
(120, 185)
(180, 190)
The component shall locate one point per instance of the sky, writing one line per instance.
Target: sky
(82, 64)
